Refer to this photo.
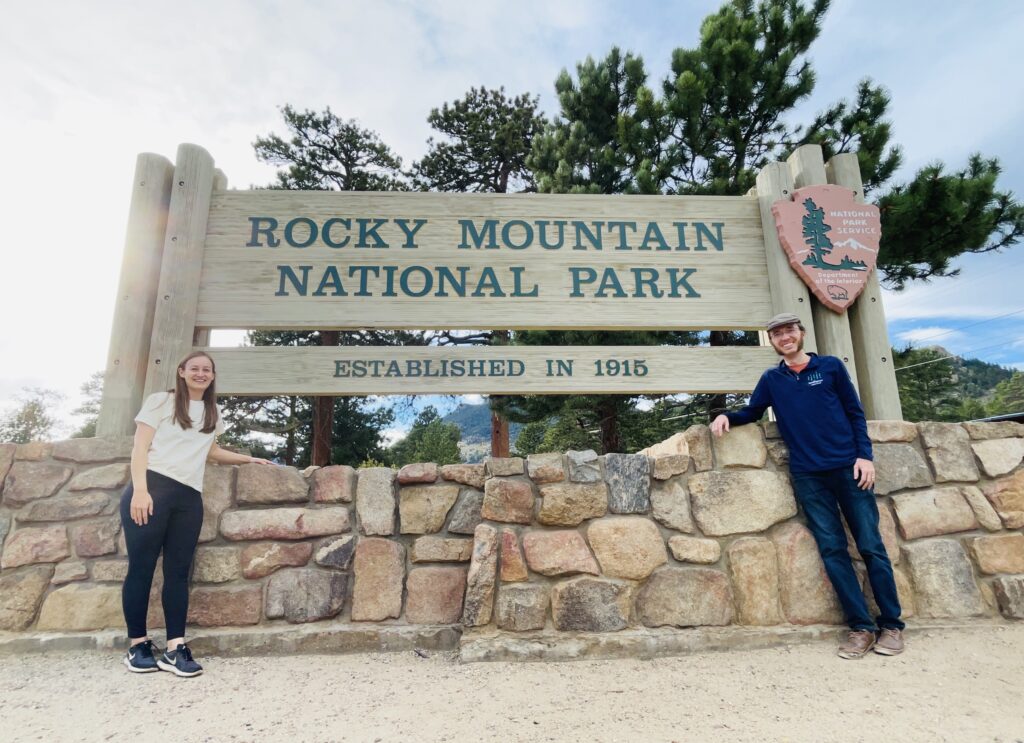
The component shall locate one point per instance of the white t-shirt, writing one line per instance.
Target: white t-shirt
(175, 452)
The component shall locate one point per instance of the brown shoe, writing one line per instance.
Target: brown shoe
(890, 642)
(858, 642)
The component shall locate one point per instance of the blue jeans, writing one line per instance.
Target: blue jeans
(822, 495)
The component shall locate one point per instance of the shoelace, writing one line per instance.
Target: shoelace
(184, 652)
(889, 632)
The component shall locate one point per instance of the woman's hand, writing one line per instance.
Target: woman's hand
(257, 460)
(141, 507)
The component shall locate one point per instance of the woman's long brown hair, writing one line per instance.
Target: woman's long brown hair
(181, 398)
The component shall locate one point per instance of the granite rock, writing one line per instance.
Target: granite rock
(21, 591)
(481, 578)
(628, 479)
(570, 504)
(465, 516)
(259, 560)
(435, 595)
(376, 500)
(334, 484)
(897, 467)
(943, 579)
(670, 504)
(509, 500)
(305, 595)
(422, 509)
(522, 607)
(628, 547)
(379, 569)
(739, 501)
(584, 466)
(591, 605)
(754, 569)
(558, 553)
(695, 549)
(685, 597)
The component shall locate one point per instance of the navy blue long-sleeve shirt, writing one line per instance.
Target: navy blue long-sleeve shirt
(819, 414)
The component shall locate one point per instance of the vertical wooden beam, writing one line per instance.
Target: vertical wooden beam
(175, 320)
(872, 350)
(789, 293)
(807, 167)
(201, 336)
(132, 327)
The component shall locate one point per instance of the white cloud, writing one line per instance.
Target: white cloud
(397, 433)
(935, 333)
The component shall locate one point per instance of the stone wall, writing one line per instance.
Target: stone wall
(692, 532)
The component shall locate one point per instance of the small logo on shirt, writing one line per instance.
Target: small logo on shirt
(814, 378)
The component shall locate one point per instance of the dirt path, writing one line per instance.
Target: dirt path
(964, 686)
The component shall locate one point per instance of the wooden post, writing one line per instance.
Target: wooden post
(789, 293)
(201, 336)
(873, 353)
(175, 320)
(832, 330)
(128, 354)
(323, 416)
(500, 445)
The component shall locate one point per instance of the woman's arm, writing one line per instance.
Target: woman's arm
(141, 506)
(223, 456)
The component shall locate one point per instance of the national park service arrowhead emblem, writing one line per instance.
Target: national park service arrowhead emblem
(831, 241)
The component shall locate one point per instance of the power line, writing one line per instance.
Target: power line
(971, 325)
(953, 356)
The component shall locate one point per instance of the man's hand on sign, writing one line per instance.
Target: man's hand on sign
(720, 425)
(864, 473)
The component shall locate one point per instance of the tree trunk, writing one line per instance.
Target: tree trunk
(611, 441)
(717, 404)
(499, 426)
(323, 415)
(290, 446)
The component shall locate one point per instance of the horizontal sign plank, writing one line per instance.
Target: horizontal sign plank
(316, 260)
(498, 370)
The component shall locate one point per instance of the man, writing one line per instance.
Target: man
(830, 463)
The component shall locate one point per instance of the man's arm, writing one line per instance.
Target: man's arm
(760, 401)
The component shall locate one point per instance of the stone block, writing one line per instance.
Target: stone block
(1002, 553)
(570, 504)
(523, 607)
(628, 547)
(754, 568)
(104, 477)
(583, 466)
(628, 478)
(29, 481)
(81, 607)
(217, 564)
(419, 472)
(260, 484)
(305, 595)
(334, 484)
(806, 594)
(441, 549)
(695, 549)
(778, 452)
(259, 560)
(1007, 496)
(943, 579)
(670, 504)
(6, 460)
(472, 475)
(69, 507)
(376, 501)
(96, 538)
(558, 553)
(742, 446)
(34, 545)
(994, 430)
(771, 430)
(1009, 592)
(898, 467)
(422, 509)
(685, 597)
(225, 606)
(669, 465)
(928, 513)
(336, 553)
(21, 591)
(110, 571)
(739, 501)
(509, 500)
(983, 511)
(886, 432)
(435, 595)
(69, 571)
(466, 512)
(33, 451)
(284, 523)
(674, 445)
(379, 569)
(513, 568)
(545, 468)
(591, 605)
(481, 579)
(949, 451)
(698, 440)
(218, 496)
(503, 466)
(94, 450)
(999, 456)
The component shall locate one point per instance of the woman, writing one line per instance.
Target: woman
(162, 508)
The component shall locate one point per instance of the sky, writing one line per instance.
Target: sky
(87, 86)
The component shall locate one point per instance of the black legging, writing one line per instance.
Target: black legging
(173, 529)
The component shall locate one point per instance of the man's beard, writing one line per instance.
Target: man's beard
(799, 346)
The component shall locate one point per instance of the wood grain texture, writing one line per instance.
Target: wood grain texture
(871, 347)
(239, 283)
(312, 370)
(128, 354)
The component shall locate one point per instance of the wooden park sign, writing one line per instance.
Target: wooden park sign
(200, 257)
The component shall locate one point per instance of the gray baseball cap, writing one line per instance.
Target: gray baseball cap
(783, 318)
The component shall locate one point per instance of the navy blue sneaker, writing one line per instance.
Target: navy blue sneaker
(179, 662)
(139, 658)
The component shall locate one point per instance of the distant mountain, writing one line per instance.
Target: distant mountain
(475, 423)
(976, 379)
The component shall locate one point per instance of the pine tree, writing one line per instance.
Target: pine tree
(1009, 396)
(816, 234)
(34, 418)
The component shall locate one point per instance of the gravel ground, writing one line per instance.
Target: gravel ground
(948, 686)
